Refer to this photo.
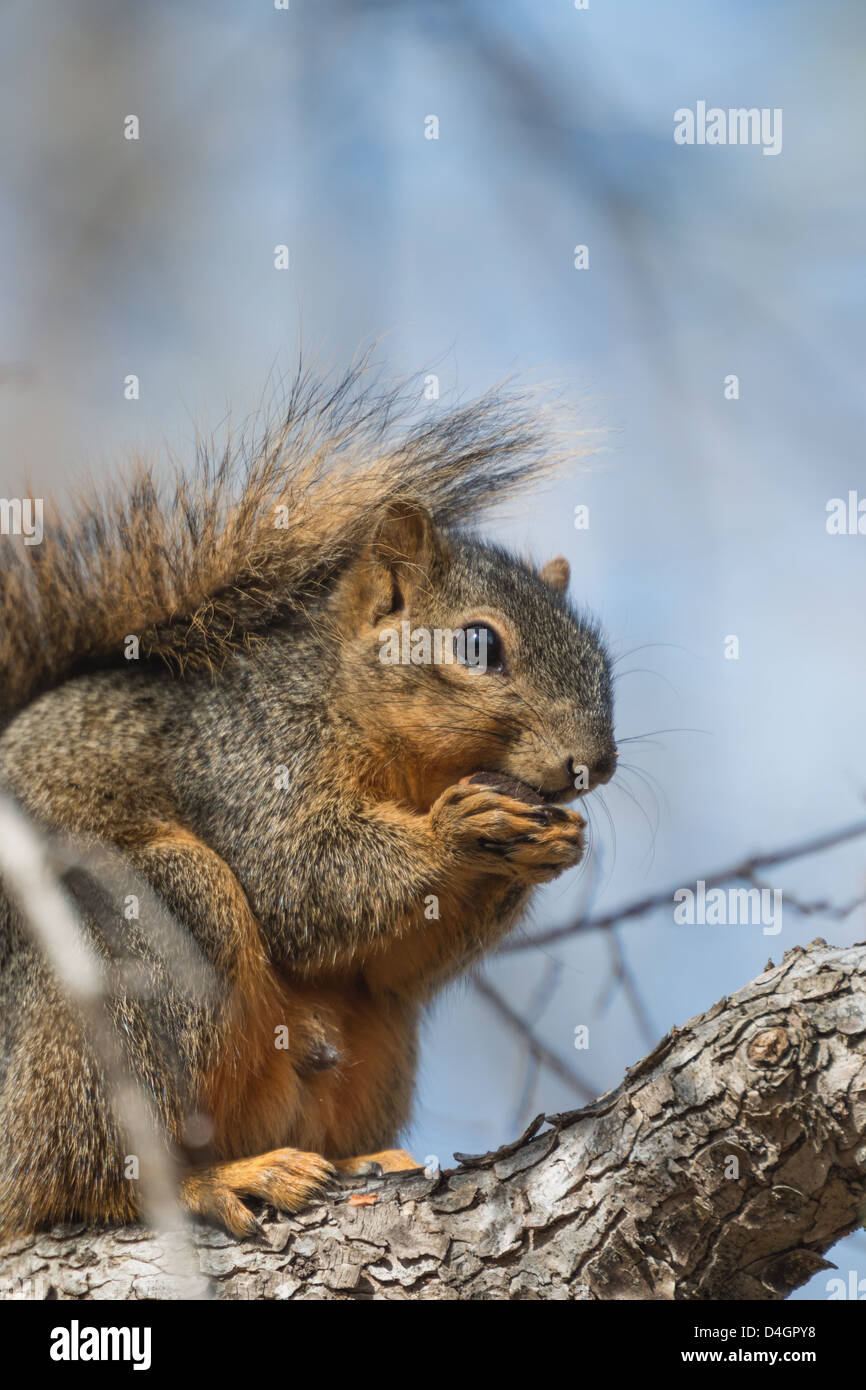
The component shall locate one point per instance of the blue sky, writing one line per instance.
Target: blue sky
(707, 515)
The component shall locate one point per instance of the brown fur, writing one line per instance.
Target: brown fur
(327, 908)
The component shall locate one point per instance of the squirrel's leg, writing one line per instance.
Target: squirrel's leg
(235, 1084)
(62, 1153)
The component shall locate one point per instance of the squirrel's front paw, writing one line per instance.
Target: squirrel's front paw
(488, 829)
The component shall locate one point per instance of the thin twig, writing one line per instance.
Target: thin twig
(543, 1054)
(745, 870)
(622, 974)
(27, 873)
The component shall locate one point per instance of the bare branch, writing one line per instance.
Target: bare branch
(725, 1165)
(536, 1048)
(744, 870)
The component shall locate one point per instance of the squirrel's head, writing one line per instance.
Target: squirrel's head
(457, 658)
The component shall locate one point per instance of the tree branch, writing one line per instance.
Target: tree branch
(723, 1166)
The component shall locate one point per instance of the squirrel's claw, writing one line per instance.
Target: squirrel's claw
(287, 1178)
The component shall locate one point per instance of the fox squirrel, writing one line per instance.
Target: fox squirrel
(198, 682)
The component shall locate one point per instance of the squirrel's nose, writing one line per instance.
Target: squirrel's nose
(600, 770)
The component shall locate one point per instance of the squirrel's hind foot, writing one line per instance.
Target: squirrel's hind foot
(287, 1178)
(374, 1165)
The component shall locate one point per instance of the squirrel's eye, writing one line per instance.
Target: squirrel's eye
(479, 646)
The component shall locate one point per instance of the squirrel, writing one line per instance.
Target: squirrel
(196, 680)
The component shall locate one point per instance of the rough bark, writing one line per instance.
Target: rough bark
(722, 1167)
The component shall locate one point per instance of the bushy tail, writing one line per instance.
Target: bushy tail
(199, 565)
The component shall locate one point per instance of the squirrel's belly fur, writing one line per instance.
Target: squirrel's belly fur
(282, 800)
(343, 1086)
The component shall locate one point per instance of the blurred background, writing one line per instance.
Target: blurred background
(707, 516)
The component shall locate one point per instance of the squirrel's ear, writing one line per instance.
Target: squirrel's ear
(407, 537)
(405, 552)
(556, 574)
